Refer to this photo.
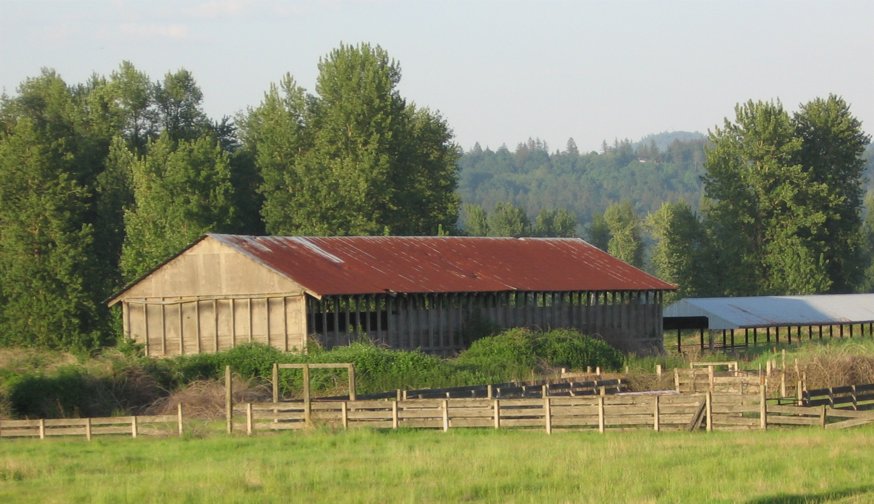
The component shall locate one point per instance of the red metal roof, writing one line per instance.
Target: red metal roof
(380, 264)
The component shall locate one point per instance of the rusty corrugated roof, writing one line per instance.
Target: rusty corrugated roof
(379, 264)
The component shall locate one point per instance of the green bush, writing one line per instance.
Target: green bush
(569, 348)
(506, 356)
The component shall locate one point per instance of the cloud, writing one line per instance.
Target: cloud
(154, 30)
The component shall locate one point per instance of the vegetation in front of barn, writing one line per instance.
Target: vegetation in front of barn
(43, 384)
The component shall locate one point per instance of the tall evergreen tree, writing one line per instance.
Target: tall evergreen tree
(508, 220)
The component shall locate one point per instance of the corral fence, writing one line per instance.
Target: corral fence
(659, 412)
(133, 426)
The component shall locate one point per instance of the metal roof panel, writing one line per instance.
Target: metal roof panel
(379, 264)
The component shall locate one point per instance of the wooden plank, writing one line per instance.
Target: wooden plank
(792, 420)
(856, 422)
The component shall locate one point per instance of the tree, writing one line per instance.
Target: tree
(680, 253)
(598, 232)
(508, 220)
(557, 223)
(47, 260)
(625, 242)
(181, 191)
(833, 145)
(355, 158)
(178, 100)
(475, 220)
(764, 205)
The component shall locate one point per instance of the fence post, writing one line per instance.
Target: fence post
(351, 382)
(344, 415)
(708, 410)
(655, 416)
(445, 415)
(489, 392)
(823, 416)
(497, 413)
(763, 407)
(229, 401)
(799, 394)
(88, 429)
(394, 414)
(42, 428)
(677, 379)
(133, 426)
(179, 418)
(600, 413)
(249, 424)
(275, 382)
(547, 414)
(659, 370)
(710, 378)
(306, 395)
(783, 382)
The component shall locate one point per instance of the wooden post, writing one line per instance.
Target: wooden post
(823, 416)
(783, 382)
(306, 394)
(655, 415)
(710, 378)
(249, 424)
(133, 427)
(344, 415)
(394, 414)
(179, 418)
(600, 413)
(708, 410)
(497, 413)
(42, 428)
(677, 379)
(351, 382)
(88, 429)
(489, 392)
(445, 415)
(763, 407)
(659, 370)
(275, 382)
(229, 401)
(547, 413)
(799, 394)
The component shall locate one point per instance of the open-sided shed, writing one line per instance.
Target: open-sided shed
(770, 313)
(432, 293)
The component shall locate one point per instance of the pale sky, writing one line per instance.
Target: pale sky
(499, 71)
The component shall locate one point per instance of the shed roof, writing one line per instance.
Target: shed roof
(355, 265)
(771, 311)
(416, 264)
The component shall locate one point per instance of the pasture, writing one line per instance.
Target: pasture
(787, 466)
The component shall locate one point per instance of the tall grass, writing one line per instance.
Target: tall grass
(800, 465)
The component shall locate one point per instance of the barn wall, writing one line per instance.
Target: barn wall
(212, 298)
(446, 323)
(189, 326)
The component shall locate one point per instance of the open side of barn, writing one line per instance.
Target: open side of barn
(431, 293)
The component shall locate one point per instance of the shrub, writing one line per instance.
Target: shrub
(506, 356)
(571, 349)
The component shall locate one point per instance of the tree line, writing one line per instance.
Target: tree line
(103, 180)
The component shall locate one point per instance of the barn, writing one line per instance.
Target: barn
(431, 293)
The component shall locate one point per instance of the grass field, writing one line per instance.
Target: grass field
(790, 466)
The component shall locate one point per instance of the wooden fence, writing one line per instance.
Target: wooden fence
(134, 426)
(699, 379)
(631, 411)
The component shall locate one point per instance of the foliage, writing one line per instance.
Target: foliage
(626, 242)
(568, 348)
(356, 158)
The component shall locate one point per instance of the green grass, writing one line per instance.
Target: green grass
(789, 466)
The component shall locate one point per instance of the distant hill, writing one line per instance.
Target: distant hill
(586, 183)
(664, 139)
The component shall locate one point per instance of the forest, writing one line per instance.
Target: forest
(101, 181)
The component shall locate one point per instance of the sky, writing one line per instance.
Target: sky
(499, 72)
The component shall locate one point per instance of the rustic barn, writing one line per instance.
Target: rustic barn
(432, 293)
